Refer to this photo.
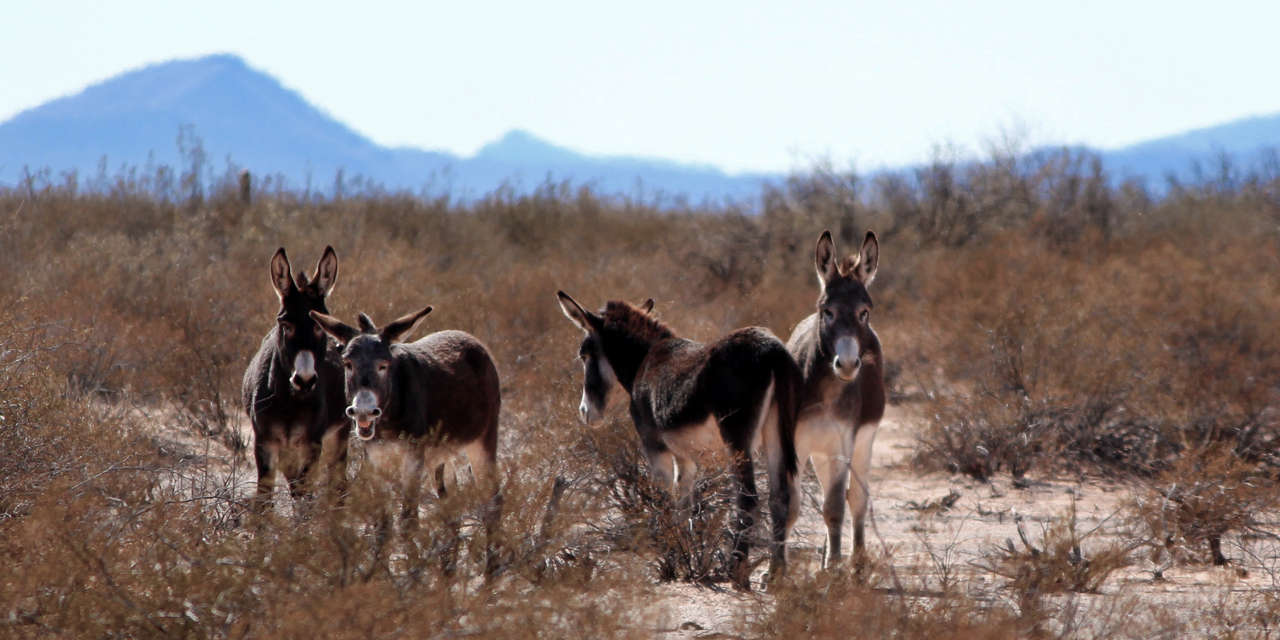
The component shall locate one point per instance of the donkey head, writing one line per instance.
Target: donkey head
(368, 365)
(299, 340)
(844, 306)
(598, 375)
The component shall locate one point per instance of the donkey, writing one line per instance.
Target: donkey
(420, 403)
(842, 397)
(688, 399)
(292, 389)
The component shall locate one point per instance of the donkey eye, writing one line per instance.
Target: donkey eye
(862, 317)
(318, 330)
(346, 364)
(382, 368)
(828, 315)
(287, 329)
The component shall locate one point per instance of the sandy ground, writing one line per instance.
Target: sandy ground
(905, 525)
(983, 516)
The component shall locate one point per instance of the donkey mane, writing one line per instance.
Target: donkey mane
(630, 320)
(847, 266)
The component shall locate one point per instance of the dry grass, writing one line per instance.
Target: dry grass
(1045, 320)
(1186, 510)
(1058, 562)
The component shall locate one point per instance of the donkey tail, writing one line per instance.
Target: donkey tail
(787, 379)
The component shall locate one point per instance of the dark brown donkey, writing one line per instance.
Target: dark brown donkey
(688, 399)
(420, 403)
(842, 398)
(292, 389)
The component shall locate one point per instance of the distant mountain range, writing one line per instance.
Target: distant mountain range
(247, 116)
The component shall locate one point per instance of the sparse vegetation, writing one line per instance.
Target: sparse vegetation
(1058, 562)
(1039, 317)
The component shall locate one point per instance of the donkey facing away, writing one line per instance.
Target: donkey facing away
(420, 403)
(292, 390)
(842, 397)
(688, 399)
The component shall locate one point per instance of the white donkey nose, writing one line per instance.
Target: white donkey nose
(364, 405)
(847, 359)
(844, 365)
(304, 371)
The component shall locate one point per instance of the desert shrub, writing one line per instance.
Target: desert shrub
(161, 570)
(832, 606)
(688, 541)
(1120, 358)
(106, 536)
(1184, 512)
(1058, 562)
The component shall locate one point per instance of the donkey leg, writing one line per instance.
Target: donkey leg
(748, 502)
(300, 480)
(783, 501)
(833, 476)
(803, 447)
(334, 450)
(859, 494)
(411, 481)
(686, 474)
(440, 460)
(661, 468)
(1215, 549)
(442, 486)
(265, 458)
(784, 496)
(484, 466)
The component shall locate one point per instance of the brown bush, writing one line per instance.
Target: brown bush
(1049, 320)
(1186, 510)
(688, 540)
(1058, 562)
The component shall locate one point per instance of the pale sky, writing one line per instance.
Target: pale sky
(740, 85)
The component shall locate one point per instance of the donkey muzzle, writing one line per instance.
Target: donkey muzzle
(848, 360)
(365, 412)
(303, 378)
(302, 384)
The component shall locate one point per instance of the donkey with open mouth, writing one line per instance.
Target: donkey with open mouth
(843, 394)
(688, 399)
(292, 389)
(420, 403)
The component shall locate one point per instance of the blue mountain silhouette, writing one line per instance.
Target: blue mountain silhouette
(249, 118)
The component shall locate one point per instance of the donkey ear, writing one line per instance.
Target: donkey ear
(340, 331)
(647, 307)
(574, 312)
(366, 323)
(869, 261)
(281, 276)
(326, 271)
(402, 325)
(824, 259)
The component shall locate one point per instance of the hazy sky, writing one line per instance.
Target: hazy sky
(745, 86)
